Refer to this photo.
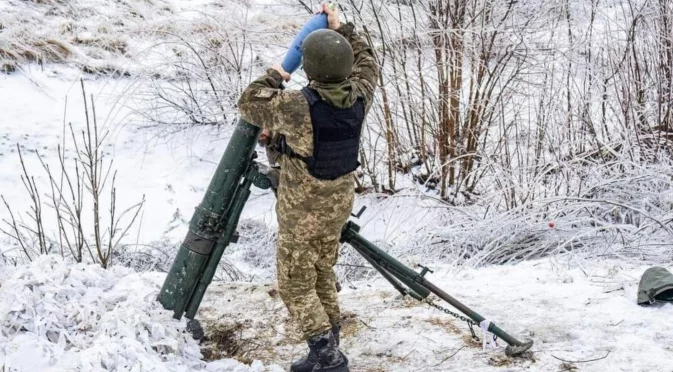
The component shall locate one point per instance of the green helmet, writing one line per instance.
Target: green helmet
(655, 285)
(327, 56)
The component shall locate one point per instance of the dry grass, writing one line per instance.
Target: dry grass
(450, 327)
(501, 360)
(227, 341)
(65, 27)
(222, 340)
(60, 31)
(46, 50)
(104, 69)
(53, 50)
(110, 44)
(446, 324)
(471, 341)
(350, 325)
(567, 367)
(7, 67)
(407, 302)
(385, 294)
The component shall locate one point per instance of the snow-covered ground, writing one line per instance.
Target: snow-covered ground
(578, 307)
(62, 317)
(575, 310)
(56, 316)
(172, 172)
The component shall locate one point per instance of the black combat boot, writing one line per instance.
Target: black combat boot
(307, 364)
(330, 358)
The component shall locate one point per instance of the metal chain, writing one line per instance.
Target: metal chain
(467, 320)
(455, 315)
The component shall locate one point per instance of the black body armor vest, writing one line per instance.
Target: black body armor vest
(336, 137)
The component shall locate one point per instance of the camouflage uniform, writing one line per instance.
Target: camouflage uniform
(273, 156)
(311, 212)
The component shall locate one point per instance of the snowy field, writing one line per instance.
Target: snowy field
(172, 172)
(575, 310)
(578, 302)
(56, 316)
(581, 314)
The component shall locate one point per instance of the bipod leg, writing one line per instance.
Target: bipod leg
(417, 282)
(381, 261)
(514, 348)
(391, 279)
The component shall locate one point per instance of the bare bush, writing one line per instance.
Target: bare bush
(447, 67)
(624, 215)
(156, 256)
(211, 63)
(486, 95)
(74, 188)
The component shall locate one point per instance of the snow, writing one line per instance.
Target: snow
(79, 316)
(172, 172)
(574, 309)
(57, 316)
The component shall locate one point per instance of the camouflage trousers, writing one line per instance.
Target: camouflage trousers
(307, 283)
(310, 217)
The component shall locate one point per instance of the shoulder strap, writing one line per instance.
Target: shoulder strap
(282, 147)
(311, 95)
(360, 108)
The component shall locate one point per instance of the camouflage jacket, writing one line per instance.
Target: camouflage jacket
(286, 112)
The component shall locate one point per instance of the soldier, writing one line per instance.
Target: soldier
(318, 137)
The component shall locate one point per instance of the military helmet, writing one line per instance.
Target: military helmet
(327, 56)
(655, 285)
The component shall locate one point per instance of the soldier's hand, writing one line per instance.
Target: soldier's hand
(265, 135)
(282, 72)
(333, 22)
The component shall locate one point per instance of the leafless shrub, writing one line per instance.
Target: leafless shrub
(486, 95)
(70, 190)
(156, 256)
(623, 215)
(200, 85)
